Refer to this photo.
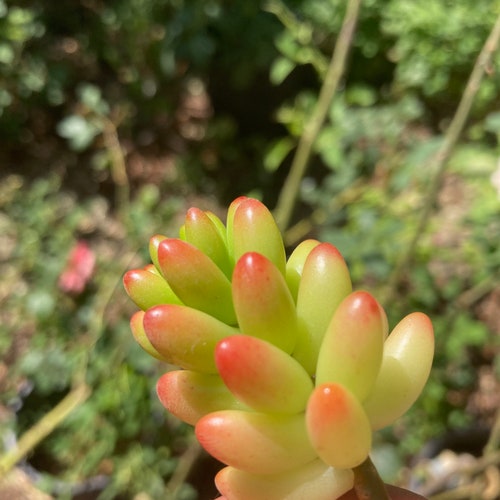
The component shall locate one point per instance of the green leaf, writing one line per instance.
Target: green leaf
(492, 123)
(91, 96)
(6, 54)
(361, 95)
(280, 69)
(277, 153)
(466, 332)
(78, 131)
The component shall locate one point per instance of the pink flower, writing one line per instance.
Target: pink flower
(79, 269)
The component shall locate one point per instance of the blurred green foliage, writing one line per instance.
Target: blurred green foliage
(73, 72)
(84, 336)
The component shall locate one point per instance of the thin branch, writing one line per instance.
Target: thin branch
(185, 464)
(440, 160)
(472, 295)
(117, 165)
(32, 437)
(290, 190)
(476, 475)
(482, 464)
(318, 217)
(493, 444)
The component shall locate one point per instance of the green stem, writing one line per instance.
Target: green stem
(185, 464)
(440, 160)
(118, 166)
(290, 190)
(493, 444)
(32, 437)
(368, 485)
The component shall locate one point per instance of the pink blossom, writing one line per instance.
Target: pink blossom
(78, 270)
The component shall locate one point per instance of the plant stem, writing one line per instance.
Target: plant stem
(185, 464)
(298, 231)
(368, 485)
(43, 427)
(290, 190)
(471, 479)
(118, 167)
(440, 160)
(493, 444)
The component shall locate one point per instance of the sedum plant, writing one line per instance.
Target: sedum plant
(284, 370)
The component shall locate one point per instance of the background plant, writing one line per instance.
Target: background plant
(204, 110)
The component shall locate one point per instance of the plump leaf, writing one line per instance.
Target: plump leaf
(406, 364)
(196, 279)
(263, 303)
(259, 443)
(324, 283)
(338, 426)
(184, 336)
(262, 375)
(252, 228)
(351, 352)
(314, 480)
(147, 288)
(190, 395)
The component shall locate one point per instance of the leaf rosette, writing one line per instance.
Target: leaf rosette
(282, 368)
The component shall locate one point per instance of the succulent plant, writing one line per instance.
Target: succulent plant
(284, 370)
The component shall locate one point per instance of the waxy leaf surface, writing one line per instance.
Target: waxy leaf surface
(191, 395)
(259, 443)
(196, 279)
(338, 426)
(137, 327)
(325, 282)
(252, 228)
(406, 364)
(147, 288)
(351, 352)
(263, 303)
(201, 231)
(262, 375)
(315, 480)
(295, 265)
(184, 336)
(154, 243)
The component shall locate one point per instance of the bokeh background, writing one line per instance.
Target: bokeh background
(117, 116)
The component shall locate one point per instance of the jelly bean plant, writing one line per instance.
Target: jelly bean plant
(283, 370)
